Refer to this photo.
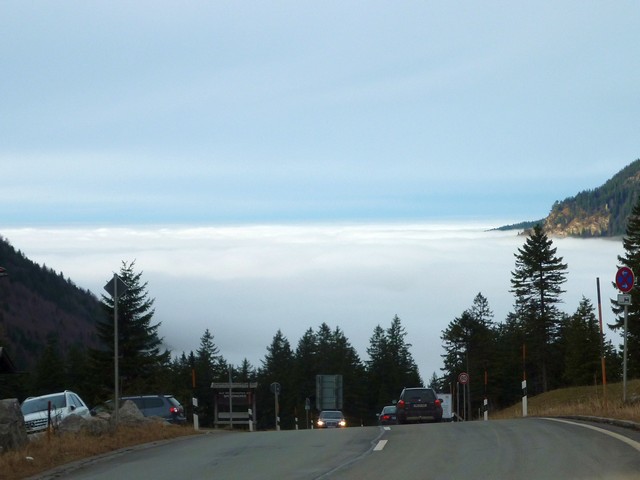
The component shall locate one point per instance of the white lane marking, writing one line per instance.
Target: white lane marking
(387, 428)
(622, 438)
(380, 445)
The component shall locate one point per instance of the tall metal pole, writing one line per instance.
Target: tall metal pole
(277, 413)
(230, 400)
(115, 347)
(624, 361)
(602, 356)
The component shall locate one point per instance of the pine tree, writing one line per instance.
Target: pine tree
(390, 366)
(277, 366)
(469, 345)
(536, 283)
(142, 359)
(631, 259)
(306, 368)
(407, 369)
(50, 370)
(209, 366)
(581, 334)
(382, 388)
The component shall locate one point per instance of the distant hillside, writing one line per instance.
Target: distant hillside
(36, 302)
(601, 212)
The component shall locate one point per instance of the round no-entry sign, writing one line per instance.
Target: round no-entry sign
(463, 378)
(625, 279)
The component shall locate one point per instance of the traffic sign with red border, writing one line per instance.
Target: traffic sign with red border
(463, 378)
(625, 279)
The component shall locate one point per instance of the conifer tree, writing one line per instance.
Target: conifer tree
(142, 358)
(631, 259)
(209, 367)
(390, 366)
(277, 366)
(581, 335)
(536, 283)
(50, 369)
(306, 368)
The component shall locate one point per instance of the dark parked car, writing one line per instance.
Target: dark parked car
(331, 419)
(388, 416)
(165, 406)
(419, 405)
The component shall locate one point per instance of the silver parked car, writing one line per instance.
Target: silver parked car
(47, 411)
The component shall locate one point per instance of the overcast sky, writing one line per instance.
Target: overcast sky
(126, 124)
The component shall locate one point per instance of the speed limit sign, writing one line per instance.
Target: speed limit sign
(463, 378)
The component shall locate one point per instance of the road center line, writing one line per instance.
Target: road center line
(622, 438)
(380, 445)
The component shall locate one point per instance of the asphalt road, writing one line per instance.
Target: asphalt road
(530, 448)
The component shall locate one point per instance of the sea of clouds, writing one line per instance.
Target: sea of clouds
(244, 283)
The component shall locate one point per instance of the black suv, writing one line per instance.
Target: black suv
(165, 406)
(419, 405)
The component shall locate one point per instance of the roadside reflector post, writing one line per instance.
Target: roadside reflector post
(196, 421)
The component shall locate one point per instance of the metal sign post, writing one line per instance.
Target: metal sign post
(463, 379)
(116, 288)
(625, 281)
(275, 389)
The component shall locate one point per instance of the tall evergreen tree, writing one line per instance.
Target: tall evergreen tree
(581, 334)
(407, 369)
(390, 366)
(142, 358)
(209, 367)
(536, 283)
(382, 386)
(470, 347)
(306, 369)
(50, 370)
(631, 259)
(277, 366)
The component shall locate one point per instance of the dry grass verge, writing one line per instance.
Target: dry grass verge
(586, 401)
(47, 452)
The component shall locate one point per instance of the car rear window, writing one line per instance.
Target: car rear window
(153, 402)
(419, 395)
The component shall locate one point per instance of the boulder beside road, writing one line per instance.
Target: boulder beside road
(13, 434)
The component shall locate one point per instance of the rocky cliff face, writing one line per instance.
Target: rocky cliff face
(564, 222)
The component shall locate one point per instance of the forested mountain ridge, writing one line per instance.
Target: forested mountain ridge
(39, 306)
(601, 212)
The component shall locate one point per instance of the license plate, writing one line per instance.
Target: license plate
(419, 405)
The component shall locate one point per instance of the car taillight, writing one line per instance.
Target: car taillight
(385, 417)
(174, 410)
(438, 402)
(401, 404)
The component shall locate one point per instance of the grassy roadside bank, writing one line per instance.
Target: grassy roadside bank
(589, 401)
(47, 452)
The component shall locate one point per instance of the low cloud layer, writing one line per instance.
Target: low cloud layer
(246, 282)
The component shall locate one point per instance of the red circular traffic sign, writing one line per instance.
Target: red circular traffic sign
(463, 378)
(625, 279)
